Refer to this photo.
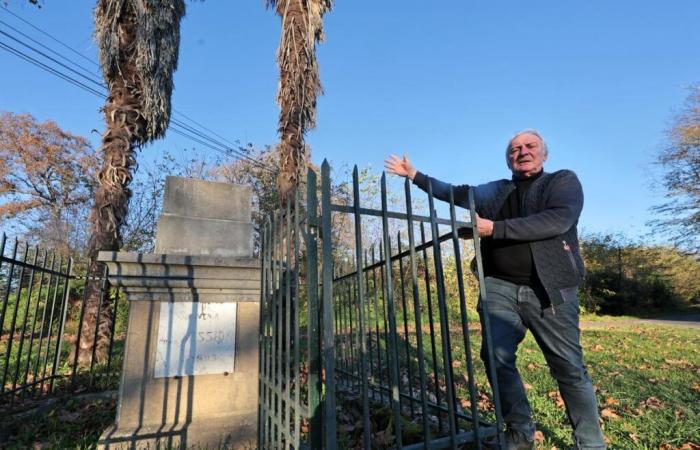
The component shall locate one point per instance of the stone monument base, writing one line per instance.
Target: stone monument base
(185, 408)
(236, 432)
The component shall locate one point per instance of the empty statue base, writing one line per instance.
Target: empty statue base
(190, 371)
(234, 432)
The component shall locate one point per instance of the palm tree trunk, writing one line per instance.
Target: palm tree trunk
(299, 83)
(125, 130)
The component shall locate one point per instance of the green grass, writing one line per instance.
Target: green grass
(647, 381)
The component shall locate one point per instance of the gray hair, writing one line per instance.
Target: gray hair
(526, 131)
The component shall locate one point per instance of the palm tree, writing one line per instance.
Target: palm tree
(302, 28)
(139, 44)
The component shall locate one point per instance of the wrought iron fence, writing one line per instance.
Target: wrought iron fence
(359, 349)
(47, 345)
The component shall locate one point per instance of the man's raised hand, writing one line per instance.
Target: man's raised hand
(400, 166)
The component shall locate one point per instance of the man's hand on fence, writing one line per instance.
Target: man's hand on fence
(485, 226)
(400, 166)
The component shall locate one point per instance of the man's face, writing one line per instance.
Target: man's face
(526, 155)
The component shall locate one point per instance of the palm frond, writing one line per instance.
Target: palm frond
(153, 54)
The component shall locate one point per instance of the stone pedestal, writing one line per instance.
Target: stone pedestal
(190, 373)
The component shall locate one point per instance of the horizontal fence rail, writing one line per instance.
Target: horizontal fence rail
(53, 339)
(365, 341)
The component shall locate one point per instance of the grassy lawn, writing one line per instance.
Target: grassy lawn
(647, 380)
(648, 385)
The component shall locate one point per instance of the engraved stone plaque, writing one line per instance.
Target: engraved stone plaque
(195, 338)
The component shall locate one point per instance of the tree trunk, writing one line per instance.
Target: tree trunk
(125, 130)
(299, 86)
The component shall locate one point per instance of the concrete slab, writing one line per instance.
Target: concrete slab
(200, 236)
(188, 197)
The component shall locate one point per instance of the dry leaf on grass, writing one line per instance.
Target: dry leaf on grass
(539, 436)
(652, 403)
(556, 396)
(609, 413)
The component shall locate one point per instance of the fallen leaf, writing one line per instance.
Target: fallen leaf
(611, 401)
(609, 413)
(539, 436)
(652, 403)
(690, 446)
(556, 396)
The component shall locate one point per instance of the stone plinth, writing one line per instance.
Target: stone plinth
(205, 218)
(190, 378)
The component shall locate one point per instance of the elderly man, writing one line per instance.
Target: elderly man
(533, 268)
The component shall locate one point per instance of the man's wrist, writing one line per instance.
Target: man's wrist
(412, 174)
(499, 229)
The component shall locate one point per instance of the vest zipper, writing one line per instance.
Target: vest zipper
(567, 249)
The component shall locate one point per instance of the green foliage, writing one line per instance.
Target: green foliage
(627, 277)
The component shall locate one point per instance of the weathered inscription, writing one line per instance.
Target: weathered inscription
(195, 338)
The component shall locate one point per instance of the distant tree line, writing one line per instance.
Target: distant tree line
(627, 277)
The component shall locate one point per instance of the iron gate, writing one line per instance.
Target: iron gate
(359, 349)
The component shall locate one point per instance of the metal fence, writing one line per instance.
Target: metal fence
(49, 342)
(358, 348)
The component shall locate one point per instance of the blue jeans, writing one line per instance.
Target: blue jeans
(514, 309)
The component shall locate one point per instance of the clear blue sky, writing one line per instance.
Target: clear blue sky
(447, 82)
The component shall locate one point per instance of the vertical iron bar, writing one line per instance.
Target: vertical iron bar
(8, 284)
(328, 350)
(486, 320)
(407, 344)
(62, 324)
(262, 338)
(295, 308)
(431, 323)
(384, 288)
(351, 336)
(14, 318)
(20, 346)
(43, 318)
(114, 327)
(465, 321)
(417, 317)
(36, 314)
(372, 370)
(339, 293)
(337, 336)
(59, 277)
(312, 287)
(394, 361)
(287, 306)
(267, 425)
(444, 322)
(279, 357)
(103, 285)
(379, 376)
(79, 330)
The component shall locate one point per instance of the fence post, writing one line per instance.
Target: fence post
(486, 320)
(327, 308)
(314, 386)
(393, 341)
(64, 311)
(361, 303)
(444, 323)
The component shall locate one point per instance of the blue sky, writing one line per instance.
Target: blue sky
(446, 82)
